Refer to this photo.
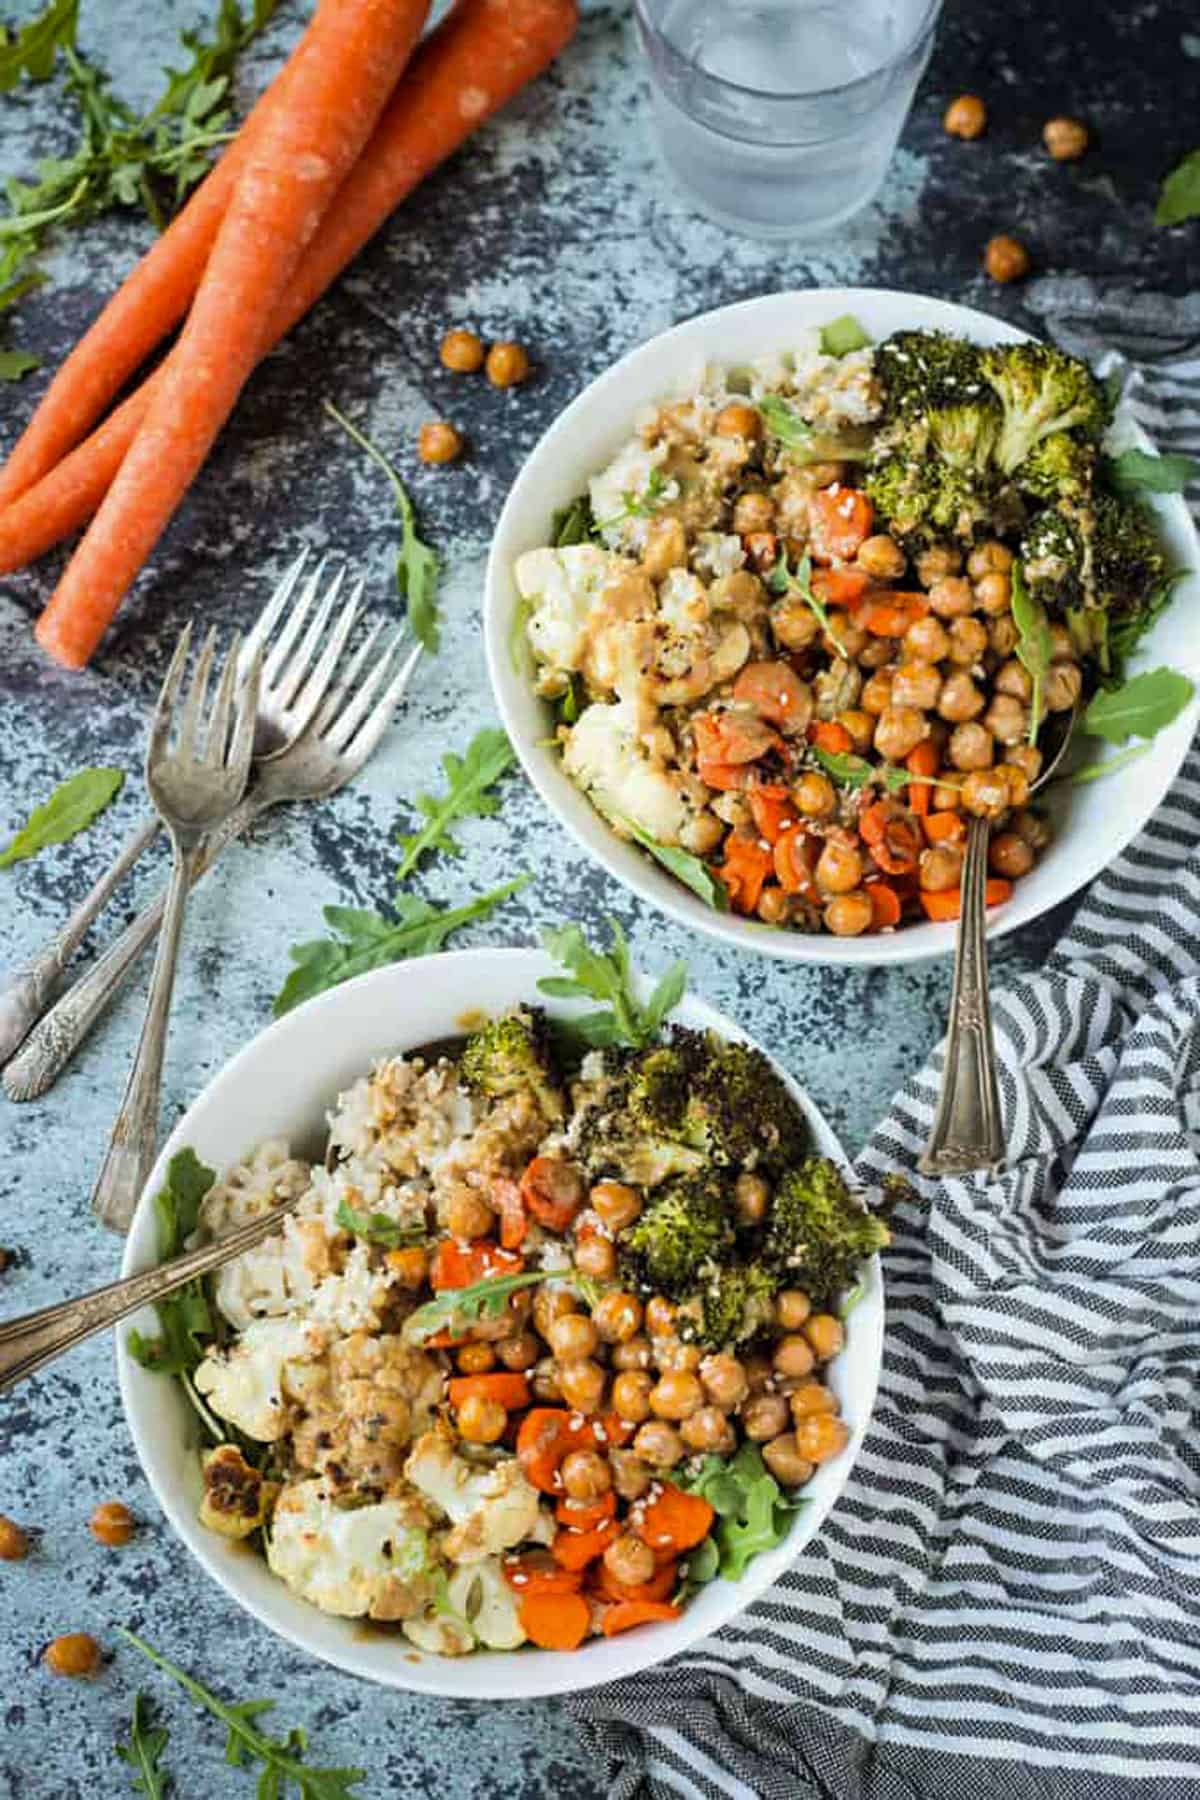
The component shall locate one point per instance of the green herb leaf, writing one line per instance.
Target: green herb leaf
(1141, 707)
(362, 940)
(1179, 197)
(281, 1759)
(469, 779)
(33, 50)
(69, 810)
(606, 976)
(144, 1751)
(16, 363)
(1138, 471)
(842, 335)
(785, 423)
(379, 1228)
(633, 506)
(1034, 646)
(456, 1309)
(783, 579)
(686, 868)
(518, 637)
(700, 1566)
(416, 565)
(573, 524)
(569, 705)
(185, 1317)
(1096, 771)
(753, 1511)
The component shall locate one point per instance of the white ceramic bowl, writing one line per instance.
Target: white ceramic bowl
(1093, 823)
(282, 1085)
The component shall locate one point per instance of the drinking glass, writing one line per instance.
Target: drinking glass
(779, 117)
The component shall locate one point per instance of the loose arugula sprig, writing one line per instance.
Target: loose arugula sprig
(359, 940)
(685, 867)
(144, 1751)
(574, 523)
(1141, 707)
(783, 579)
(1034, 646)
(606, 975)
(246, 1743)
(416, 564)
(457, 1309)
(378, 1228)
(1179, 197)
(185, 1317)
(70, 809)
(469, 779)
(856, 772)
(1136, 472)
(33, 49)
(754, 1513)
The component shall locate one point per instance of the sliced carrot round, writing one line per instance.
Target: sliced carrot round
(555, 1621)
(628, 1613)
(553, 1190)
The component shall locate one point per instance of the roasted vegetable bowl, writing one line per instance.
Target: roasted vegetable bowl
(567, 1347)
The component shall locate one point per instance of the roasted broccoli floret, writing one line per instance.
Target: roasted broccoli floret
(1041, 390)
(1061, 468)
(921, 496)
(932, 473)
(818, 1232)
(965, 436)
(921, 370)
(512, 1055)
(1104, 560)
(688, 1222)
(733, 1304)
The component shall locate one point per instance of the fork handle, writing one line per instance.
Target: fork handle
(30, 988)
(54, 1040)
(967, 1131)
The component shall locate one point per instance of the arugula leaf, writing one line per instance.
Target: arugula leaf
(144, 1751)
(416, 564)
(1179, 196)
(33, 50)
(856, 772)
(606, 975)
(783, 579)
(469, 777)
(281, 1758)
(1095, 771)
(457, 1308)
(518, 639)
(569, 705)
(573, 524)
(1034, 646)
(785, 423)
(754, 1514)
(361, 940)
(70, 809)
(699, 1567)
(378, 1228)
(16, 363)
(686, 868)
(185, 1317)
(1141, 707)
(634, 506)
(1138, 471)
(842, 335)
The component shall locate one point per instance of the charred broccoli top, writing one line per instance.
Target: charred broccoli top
(689, 1221)
(1059, 469)
(921, 370)
(511, 1054)
(818, 1232)
(734, 1304)
(1100, 567)
(1041, 390)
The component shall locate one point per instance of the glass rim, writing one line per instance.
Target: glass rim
(791, 98)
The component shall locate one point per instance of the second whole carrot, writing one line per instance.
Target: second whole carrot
(356, 51)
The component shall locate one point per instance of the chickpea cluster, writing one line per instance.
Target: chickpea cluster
(506, 364)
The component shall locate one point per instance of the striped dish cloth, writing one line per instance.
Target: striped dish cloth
(1006, 1600)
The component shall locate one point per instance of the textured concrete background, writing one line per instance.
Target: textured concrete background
(555, 227)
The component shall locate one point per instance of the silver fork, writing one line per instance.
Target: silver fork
(294, 682)
(194, 790)
(341, 738)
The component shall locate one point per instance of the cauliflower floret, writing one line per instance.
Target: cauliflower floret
(630, 477)
(245, 1383)
(356, 1560)
(490, 1509)
(479, 1594)
(440, 1634)
(363, 1405)
(604, 756)
(562, 587)
(237, 1500)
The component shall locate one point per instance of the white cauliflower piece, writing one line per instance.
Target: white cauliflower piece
(245, 1383)
(479, 1594)
(836, 391)
(630, 477)
(490, 1509)
(351, 1560)
(605, 757)
(717, 553)
(440, 1634)
(562, 588)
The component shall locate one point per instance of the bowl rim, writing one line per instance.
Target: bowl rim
(491, 1673)
(622, 861)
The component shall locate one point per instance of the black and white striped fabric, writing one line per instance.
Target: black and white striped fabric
(1006, 1600)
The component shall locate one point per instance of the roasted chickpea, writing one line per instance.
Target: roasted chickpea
(410, 1266)
(629, 1560)
(859, 725)
(965, 117)
(881, 558)
(701, 834)
(849, 915)
(582, 1383)
(543, 1380)
(73, 1654)
(666, 547)
(1009, 854)
(900, 729)
(572, 1336)
(1002, 635)
(738, 420)
(709, 1430)
(971, 747)
(585, 1475)
(936, 562)
(519, 1353)
(1063, 686)
(595, 1255)
(916, 684)
(439, 442)
(631, 1395)
(635, 1353)
(468, 1214)
(1013, 678)
(1007, 719)
(993, 594)
(774, 906)
(658, 1444)
(968, 641)
(765, 1416)
(631, 1476)
(927, 640)
(507, 364)
(14, 1543)
(1032, 827)
(815, 795)
(676, 1395)
(1006, 258)
(960, 699)
(793, 1355)
(1027, 758)
(941, 869)
(821, 1437)
(550, 1304)
(792, 1307)
(843, 639)
(985, 794)
(876, 653)
(839, 867)
(759, 1373)
(616, 1204)
(1065, 139)
(617, 1317)
(660, 1316)
(876, 696)
(476, 1359)
(951, 597)
(826, 1336)
(462, 351)
(1062, 645)
(481, 1421)
(753, 512)
(785, 1462)
(989, 558)
(1017, 780)
(794, 625)
(724, 1380)
(811, 1398)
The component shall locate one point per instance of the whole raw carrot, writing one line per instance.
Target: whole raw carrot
(292, 170)
(148, 304)
(478, 58)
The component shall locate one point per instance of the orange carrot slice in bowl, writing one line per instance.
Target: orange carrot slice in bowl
(555, 1621)
(628, 1613)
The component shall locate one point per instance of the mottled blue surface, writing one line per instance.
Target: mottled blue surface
(554, 227)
